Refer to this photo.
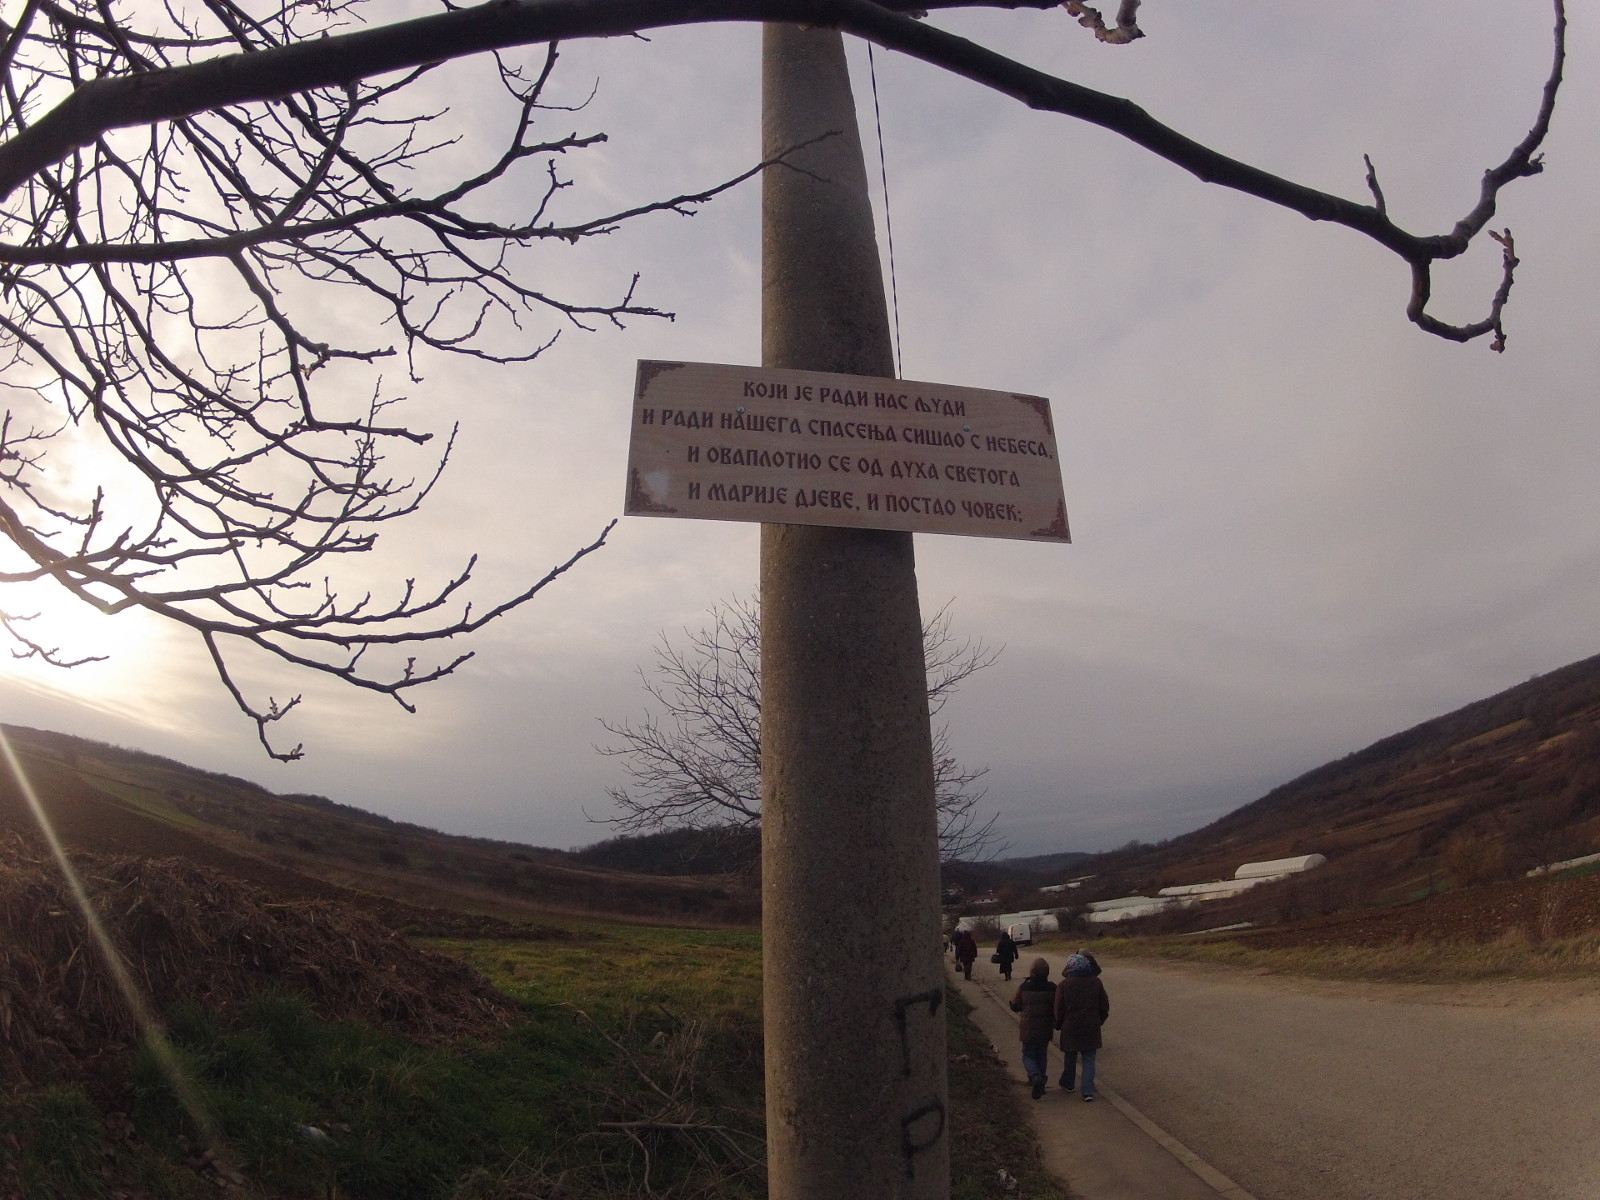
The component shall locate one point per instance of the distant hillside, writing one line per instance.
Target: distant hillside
(1482, 793)
(731, 851)
(1048, 866)
(1015, 877)
(722, 851)
(115, 800)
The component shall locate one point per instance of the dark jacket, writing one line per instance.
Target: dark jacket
(1081, 1007)
(1035, 1000)
(1007, 950)
(966, 947)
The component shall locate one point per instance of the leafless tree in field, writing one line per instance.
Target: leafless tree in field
(695, 756)
(230, 237)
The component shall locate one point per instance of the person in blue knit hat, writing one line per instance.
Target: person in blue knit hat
(1081, 1007)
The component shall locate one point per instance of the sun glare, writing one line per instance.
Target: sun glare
(120, 659)
(138, 1006)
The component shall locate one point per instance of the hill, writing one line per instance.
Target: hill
(109, 799)
(1051, 868)
(1476, 796)
(720, 850)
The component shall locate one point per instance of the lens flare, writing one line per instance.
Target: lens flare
(149, 1026)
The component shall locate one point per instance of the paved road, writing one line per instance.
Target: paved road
(1102, 1151)
(1309, 1091)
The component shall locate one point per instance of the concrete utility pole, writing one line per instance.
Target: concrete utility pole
(854, 987)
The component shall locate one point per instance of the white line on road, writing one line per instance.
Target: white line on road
(1214, 1178)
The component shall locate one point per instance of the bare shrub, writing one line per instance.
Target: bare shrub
(1545, 926)
(1071, 917)
(1471, 859)
(695, 755)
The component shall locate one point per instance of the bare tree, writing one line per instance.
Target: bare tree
(225, 249)
(695, 756)
(164, 288)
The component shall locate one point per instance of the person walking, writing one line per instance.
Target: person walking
(1081, 1007)
(966, 951)
(1036, 1001)
(1006, 953)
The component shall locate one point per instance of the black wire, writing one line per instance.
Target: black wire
(888, 223)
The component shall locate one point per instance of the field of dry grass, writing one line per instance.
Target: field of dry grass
(1511, 955)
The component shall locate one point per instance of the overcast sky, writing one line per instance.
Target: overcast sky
(1299, 523)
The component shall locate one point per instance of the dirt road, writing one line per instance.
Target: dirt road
(1301, 1090)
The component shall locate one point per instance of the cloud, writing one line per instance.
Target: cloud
(1300, 524)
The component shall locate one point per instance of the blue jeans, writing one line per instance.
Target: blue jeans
(1070, 1067)
(1036, 1059)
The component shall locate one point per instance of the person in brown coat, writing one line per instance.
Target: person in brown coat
(1081, 1007)
(1036, 1001)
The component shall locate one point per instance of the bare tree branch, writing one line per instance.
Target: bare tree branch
(723, 1145)
(252, 467)
(95, 108)
(695, 756)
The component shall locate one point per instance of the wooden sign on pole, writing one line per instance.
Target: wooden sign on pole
(731, 443)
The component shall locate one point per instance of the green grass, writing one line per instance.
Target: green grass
(314, 1108)
(143, 798)
(717, 975)
(306, 1108)
(616, 972)
(1513, 955)
(49, 1144)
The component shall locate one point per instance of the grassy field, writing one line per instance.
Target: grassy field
(716, 975)
(1511, 955)
(145, 798)
(633, 1068)
(282, 1103)
(617, 973)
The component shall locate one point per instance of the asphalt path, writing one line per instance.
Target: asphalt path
(1303, 1090)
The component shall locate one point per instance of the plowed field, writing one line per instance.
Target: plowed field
(1541, 909)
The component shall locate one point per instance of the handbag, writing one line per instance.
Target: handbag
(994, 958)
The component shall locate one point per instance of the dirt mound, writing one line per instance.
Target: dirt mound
(188, 932)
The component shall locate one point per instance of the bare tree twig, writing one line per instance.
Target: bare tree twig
(717, 1145)
(1125, 30)
(95, 108)
(695, 756)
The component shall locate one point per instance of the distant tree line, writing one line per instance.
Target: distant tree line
(719, 851)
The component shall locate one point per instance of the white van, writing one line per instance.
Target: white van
(1021, 933)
